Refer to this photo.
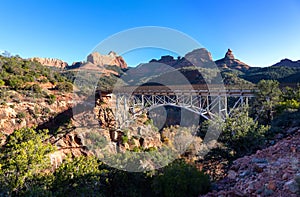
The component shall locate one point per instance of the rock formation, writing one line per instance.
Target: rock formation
(50, 62)
(229, 61)
(101, 63)
(198, 57)
(112, 59)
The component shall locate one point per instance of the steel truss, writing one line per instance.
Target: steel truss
(208, 104)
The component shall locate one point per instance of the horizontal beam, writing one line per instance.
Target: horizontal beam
(185, 90)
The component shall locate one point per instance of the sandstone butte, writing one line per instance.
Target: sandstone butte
(50, 62)
(94, 61)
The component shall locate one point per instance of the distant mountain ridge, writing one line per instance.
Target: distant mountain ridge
(288, 63)
(192, 66)
(202, 58)
(195, 63)
(198, 57)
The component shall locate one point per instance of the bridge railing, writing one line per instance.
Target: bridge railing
(190, 90)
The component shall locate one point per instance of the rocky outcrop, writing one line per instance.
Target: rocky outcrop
(106, 117)
(273, 171)
(229, 61)
(50, 62)
(288, 63)
(112, 59)
(167, 59)
(105, 64)
(198, 57)
(26, 111)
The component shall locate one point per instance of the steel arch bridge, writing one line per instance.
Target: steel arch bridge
(208, 103)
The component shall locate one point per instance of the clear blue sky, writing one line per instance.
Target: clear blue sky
(260, 32)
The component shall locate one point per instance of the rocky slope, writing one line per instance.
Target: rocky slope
(92, 131)
(273, 171)
(27, 111)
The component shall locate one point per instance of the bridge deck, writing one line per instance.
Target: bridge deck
(201, 90)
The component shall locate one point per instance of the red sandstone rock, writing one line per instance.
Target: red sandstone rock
(268, 172)
(50, 62)
(109, 60)
(229, 61)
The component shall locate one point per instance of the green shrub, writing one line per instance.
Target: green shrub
(80, 176)
(24, 157)
(267, 98)
(151, 149)
(20, 115)
(286, 120)
(46, 110)
(95, 141)
(136, 149)
(148, 122)
(15, 83)
(44, 80)
(51, 99)
(2, 83)
(181, 179)
(124, 139)
(240, 132)
(288, 104)
(36, 88)
(64, 86)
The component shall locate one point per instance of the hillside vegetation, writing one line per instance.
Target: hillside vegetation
(19, 74)
(281, 74)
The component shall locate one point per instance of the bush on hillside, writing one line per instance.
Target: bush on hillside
(23, 158)
(180, 179)
(16, 72)
(51, 99)
(239, 132)
(64, 87)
